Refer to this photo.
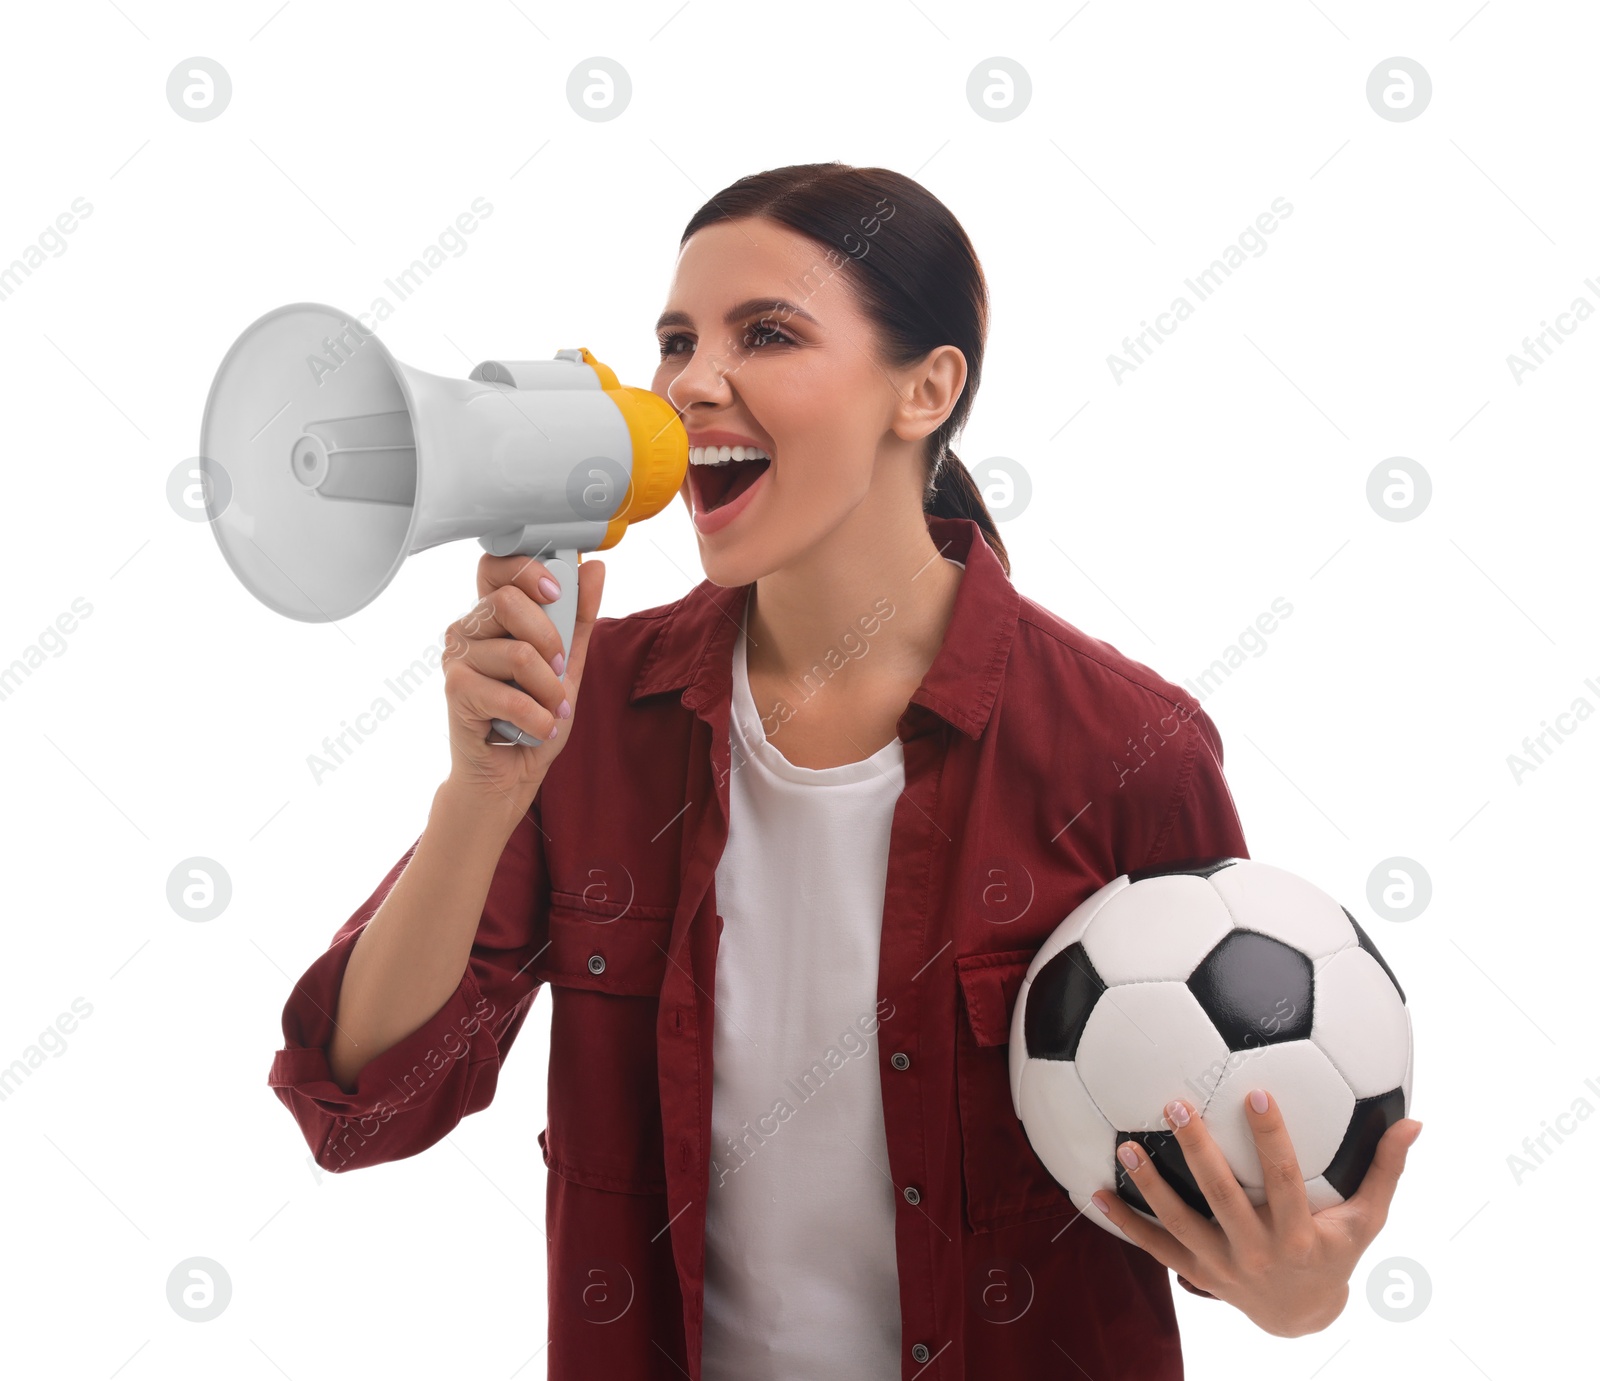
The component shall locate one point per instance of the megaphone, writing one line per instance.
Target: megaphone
(328, 462)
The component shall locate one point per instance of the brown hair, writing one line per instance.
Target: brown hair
(914, 272)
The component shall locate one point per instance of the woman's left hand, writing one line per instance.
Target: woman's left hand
(1286, 1268)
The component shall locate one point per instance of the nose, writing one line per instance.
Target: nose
(703, 379)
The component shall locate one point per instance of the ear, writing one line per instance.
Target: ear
(928, 389)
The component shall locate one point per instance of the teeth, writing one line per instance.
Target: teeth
(724, 455)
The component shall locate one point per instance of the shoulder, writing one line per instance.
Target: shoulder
(1111, 743)
(1092, 680)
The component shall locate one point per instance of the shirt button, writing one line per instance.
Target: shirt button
(900, 1060)
(912, 1194)
(919, 1352)
(597, 963)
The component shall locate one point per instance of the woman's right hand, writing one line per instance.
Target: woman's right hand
(509, 637)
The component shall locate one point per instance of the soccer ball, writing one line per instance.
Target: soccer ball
(1204, 981)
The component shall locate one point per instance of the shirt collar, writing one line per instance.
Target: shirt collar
(693, 648)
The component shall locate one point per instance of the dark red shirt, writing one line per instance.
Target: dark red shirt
(1039, 764)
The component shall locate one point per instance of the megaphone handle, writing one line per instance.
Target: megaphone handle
(563, 612)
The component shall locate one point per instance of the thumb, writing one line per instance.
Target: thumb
(591, 581)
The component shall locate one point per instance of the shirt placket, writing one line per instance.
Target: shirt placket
(913, 961)
(684, 1025)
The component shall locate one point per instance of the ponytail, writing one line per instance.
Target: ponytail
(953, 493)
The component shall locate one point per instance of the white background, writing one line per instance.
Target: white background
(1169, 509)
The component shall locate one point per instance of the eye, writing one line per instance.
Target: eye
(766, 334)
(758, 335)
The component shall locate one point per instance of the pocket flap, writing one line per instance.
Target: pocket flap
(626, 954)
(990, 984)
(1006, 1184)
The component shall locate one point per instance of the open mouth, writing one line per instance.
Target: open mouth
(716, 482)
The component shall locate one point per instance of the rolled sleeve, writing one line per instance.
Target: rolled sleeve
(414, 1093)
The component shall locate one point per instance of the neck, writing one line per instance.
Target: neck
(891, 596)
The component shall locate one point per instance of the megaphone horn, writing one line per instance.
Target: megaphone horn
(340, 461)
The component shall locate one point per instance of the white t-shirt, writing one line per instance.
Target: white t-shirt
(801, 1277)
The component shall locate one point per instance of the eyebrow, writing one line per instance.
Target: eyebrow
(764, 305)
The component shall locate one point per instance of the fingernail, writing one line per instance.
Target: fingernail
(1258, 1100)
(550, 588)
(555, 729)
(1177, 1114)
(1128, 1156)
(1102, 1200)
(565, 712)
(558, 663)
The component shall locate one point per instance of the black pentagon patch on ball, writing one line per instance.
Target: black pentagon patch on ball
(1167, 1156)
(1188, 867)
(1256, 990)
(1372, 949)
(1060, 998)
(1371, 1119)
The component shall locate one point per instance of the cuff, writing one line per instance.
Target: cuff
(401, 1077)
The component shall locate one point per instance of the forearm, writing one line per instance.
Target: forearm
(410, 956)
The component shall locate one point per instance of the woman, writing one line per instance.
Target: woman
(815, 819)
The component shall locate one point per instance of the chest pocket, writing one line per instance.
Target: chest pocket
(604, 1104)
(1005, 1182)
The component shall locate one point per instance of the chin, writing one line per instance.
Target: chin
(769, 538)
(731, 560)
(729, 568)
